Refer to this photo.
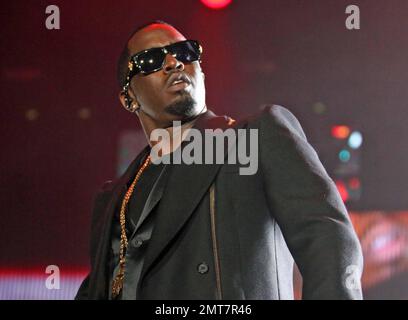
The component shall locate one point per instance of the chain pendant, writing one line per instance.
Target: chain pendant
(117, 286)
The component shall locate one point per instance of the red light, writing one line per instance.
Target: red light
(342, 190)
(216, 4)
(354, 183)
(340, 132)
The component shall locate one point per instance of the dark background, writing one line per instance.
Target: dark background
(294, 53)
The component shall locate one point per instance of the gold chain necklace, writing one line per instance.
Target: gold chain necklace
(117, 283)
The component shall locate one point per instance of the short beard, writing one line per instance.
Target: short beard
(183, 107)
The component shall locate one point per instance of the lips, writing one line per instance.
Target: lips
(178, 86)
(177, 81)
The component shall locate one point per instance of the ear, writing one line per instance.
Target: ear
(131, 96)
(122, 99)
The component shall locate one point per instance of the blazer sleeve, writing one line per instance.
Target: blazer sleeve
(99, 204)
(82, 293)
(309, 210)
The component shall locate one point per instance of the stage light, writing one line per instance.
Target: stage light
(84, 113)
(341, 187)
(355, 140)
(32, 114)
(319, 108)
(340, 132)
(216, 4)
(344, 155)
(354, 183)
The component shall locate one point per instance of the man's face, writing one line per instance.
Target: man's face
(153, 92)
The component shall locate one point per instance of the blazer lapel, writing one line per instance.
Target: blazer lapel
(186, 186)
(154, 196)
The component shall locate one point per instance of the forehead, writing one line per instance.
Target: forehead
(155, 35)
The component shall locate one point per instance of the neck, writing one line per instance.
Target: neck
(176, 134)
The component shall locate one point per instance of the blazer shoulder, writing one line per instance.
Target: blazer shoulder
(276, 119)
(107, 186)
(101, 199)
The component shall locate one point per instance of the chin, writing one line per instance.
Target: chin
(184, 107)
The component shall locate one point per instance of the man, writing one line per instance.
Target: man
(191, 231)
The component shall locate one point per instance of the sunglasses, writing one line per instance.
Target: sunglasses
(152, 60)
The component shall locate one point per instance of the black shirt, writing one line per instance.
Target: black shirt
(140, 194)
(138, 239)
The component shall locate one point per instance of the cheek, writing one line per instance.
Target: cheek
(148, 91)
(194, 71)
(198, 79)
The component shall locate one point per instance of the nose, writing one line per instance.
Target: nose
(172, 64)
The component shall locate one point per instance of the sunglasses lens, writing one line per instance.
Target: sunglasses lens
(150, 61)
(186, 51)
